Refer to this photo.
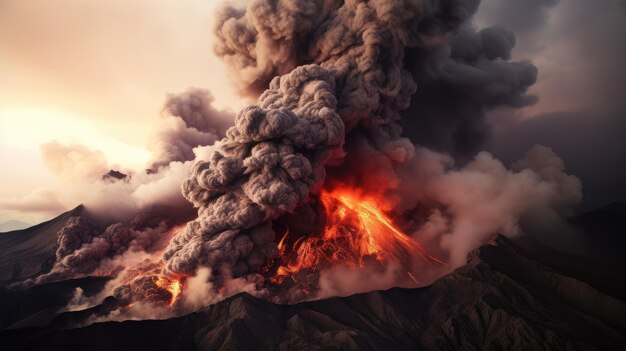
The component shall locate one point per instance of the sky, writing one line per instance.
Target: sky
(579, 47)
(97, 73)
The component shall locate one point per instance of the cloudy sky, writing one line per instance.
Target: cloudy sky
(97, 72)
(579, 47)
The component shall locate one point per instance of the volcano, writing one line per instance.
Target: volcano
(505, 297)
(312, 218)
(30, 252)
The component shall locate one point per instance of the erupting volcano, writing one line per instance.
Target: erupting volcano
(357, 231)
(316, 174)
(353, 166)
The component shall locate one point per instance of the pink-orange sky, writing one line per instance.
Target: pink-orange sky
(96, 73)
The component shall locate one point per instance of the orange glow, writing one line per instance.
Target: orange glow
(173, 286)
(356, 230)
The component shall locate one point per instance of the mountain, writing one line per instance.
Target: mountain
(504, 298)
(13, 225)
(30, 252)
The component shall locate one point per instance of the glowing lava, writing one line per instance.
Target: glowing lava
(356, 230)
(173, 286)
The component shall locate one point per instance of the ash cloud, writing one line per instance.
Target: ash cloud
(267, 165)
(275, 156)
(460, 82)
(527, 18)
(190, 121)
(269, 39)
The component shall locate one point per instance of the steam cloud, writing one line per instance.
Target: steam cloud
(129, 214)
(191, 121)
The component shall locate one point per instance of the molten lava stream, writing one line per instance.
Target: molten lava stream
(152, 285)
(173, 286)
(356, 230)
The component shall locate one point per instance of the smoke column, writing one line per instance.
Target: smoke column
(353, 88)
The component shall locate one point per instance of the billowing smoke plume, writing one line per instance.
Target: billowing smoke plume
(459, 82)
(190, 121)
(337, 76)
(275, 156)
(269, 163)
(86, 246)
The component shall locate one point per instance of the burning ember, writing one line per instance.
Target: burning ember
(357, 231)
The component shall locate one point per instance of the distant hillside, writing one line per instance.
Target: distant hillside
(30, 252)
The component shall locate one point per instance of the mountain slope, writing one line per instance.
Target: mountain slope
(13, 225)
(30, 252)
(501, 299)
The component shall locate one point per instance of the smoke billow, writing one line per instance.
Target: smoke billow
(87, 246)
(266, 166)
(357, 66)
(527, 18)
(275, 157)
(469, 206)
(460, 81)
(73, 161)
(190, 121)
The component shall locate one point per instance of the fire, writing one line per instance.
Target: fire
(150, 284)
(357, 230)
(173, 286)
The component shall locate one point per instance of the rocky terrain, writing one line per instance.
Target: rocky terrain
(502, 299)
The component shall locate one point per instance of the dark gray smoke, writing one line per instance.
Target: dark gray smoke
(190, 121)
(526, 18)
(87, 245)
(270, 161)
(275, 156)
(459, 83)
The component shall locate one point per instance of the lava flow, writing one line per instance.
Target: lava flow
(150, 284)
(173, 286)
(356, 230)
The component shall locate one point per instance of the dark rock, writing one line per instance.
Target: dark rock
(502, 299)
